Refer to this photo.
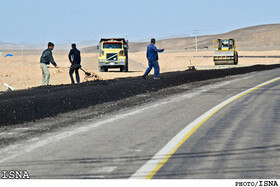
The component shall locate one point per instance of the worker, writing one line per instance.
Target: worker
(75, 60)
(45, 60)
(152, 57)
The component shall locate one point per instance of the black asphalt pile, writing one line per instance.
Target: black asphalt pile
(41, 102)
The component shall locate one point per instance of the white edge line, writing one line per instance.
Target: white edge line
(158, 158)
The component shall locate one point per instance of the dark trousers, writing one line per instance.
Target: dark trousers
(71, 71)
(153, 64)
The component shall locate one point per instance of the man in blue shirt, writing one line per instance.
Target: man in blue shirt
(152, 56)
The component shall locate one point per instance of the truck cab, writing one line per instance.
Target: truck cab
(113, 53)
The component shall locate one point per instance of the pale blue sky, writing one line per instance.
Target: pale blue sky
(60, 21)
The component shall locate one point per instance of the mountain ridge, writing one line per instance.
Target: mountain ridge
(259, 37)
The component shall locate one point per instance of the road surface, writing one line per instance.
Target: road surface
(241, 140)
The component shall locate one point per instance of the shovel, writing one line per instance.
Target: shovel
(87, 73)
(78, 66)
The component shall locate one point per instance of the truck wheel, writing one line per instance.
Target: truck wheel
(101, 69)
(124, 69)
(126, 66)
(236, 58)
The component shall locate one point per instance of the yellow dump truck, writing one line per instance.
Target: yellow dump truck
(113, 53)
(226, 53)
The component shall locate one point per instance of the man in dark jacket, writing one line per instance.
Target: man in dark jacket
(45, 60)
(75, 60)
(152, 56)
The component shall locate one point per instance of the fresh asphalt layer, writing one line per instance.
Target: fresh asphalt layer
(22, 106)
(239, 141)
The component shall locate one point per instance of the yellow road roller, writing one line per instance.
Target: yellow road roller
(226, 53)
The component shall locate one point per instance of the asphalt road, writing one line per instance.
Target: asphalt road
(239, 141)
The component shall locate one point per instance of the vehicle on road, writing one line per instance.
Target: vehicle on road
(226, 53)
(113, 53)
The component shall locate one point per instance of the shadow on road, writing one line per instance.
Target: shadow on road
(94, 164)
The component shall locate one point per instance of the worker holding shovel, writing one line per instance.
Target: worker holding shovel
(75, 60)
(45, 60)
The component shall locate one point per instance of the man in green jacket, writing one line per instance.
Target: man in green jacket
(46, 58)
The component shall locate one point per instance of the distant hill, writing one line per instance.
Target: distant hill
(262, 37)
(4, 45)
(61, 46)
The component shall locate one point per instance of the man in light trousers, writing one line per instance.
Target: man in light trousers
(45, 60)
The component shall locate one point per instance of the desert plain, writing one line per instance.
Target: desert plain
(23, 71)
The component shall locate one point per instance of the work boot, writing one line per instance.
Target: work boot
(144, 76)
(156, 78)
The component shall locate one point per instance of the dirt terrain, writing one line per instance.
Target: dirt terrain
(24, 71)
